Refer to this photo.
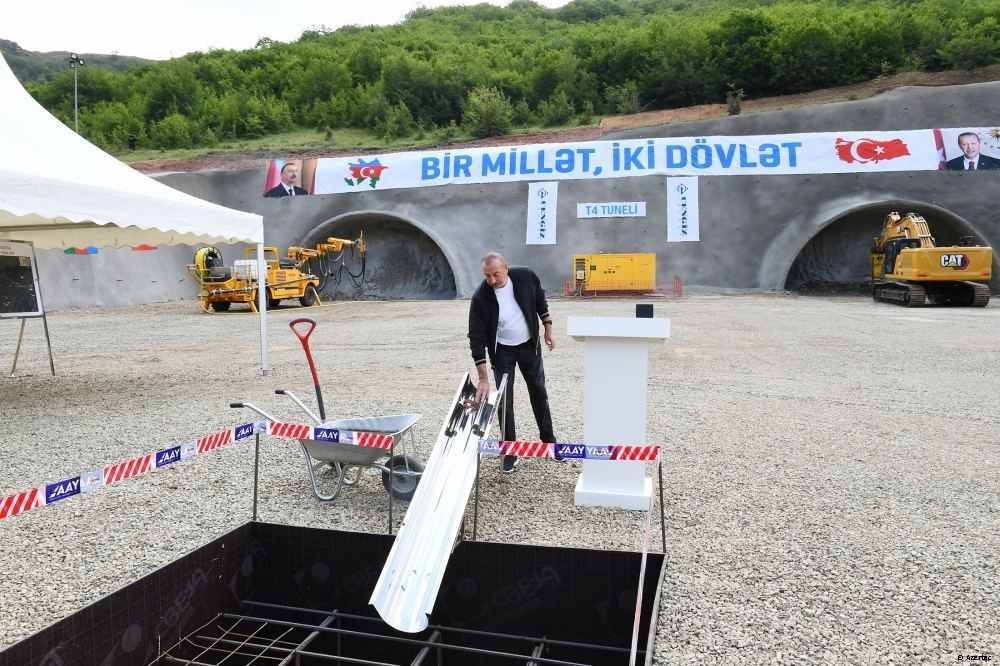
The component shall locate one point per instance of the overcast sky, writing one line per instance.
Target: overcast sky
(163, 29)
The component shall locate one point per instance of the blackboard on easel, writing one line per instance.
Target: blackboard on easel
(20, 294)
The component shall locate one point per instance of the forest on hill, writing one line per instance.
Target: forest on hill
(485, 70)
(35, 66)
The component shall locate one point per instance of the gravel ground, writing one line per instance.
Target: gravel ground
(832, 465)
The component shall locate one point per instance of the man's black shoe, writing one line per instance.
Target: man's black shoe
(509, 463)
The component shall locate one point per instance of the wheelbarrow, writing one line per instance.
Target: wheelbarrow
(400, 472)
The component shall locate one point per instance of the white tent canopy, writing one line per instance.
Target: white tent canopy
(58, 190)
(51, 181)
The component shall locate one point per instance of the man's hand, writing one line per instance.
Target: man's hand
(550, 338)
(482, 390)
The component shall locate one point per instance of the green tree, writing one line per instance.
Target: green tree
(488, 112)
(805, 57)
(742, 45)
(624, 98)
(170, 89)
(110, 124)
(557, 110)
(174, 131)
(321, 80)
(976, 47)
(397, 122)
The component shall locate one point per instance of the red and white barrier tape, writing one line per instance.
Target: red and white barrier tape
(372, 440)
(574, 451)
(50, 493)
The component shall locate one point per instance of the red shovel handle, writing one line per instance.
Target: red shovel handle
(303, 337)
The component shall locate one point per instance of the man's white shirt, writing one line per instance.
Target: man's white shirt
(512, 329)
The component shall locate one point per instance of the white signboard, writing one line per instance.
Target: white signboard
(682, 209)
(611, 209)
(542, 201)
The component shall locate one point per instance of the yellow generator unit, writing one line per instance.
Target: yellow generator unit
(595, 273)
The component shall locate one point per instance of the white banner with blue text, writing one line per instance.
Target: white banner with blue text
(778, 154)
(682, 209)
(586, 211)
(542, 200)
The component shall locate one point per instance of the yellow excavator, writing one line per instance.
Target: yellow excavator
(289, 277)
(909, 268)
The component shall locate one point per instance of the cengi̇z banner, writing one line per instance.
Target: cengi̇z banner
(682, 209)
(779, 154)
(542, 201)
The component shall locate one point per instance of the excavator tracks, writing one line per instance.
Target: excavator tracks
(980, 295)
(900, 293)
(968, 294)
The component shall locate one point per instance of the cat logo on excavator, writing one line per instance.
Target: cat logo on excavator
(957, 261)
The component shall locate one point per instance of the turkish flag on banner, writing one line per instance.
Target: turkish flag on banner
(863, 151)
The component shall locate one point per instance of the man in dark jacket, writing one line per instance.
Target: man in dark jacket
(503, 325)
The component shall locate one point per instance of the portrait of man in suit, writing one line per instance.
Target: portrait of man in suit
(971, 159)
(287, 186)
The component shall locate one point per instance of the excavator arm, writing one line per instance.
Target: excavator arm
(910, 226)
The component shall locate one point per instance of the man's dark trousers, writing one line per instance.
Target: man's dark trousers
(527, 357)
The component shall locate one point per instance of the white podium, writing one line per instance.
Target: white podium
(615, 377)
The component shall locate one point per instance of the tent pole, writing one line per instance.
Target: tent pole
(262, 305)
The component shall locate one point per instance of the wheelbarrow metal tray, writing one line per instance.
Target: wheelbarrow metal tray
(352, 454)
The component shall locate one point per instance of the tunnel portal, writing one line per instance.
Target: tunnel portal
(837, 259)
(402, 261)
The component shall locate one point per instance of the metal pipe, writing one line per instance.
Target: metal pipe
(392, 478)
(256, 472)
(262, 305)
(186, 662)
(17, 350)
(475, 504)
(247, 405)
(289, 652)
(438, 627)
(535, 653)
(305, 642)
(408, 641)
(419, 659)
(663, 522)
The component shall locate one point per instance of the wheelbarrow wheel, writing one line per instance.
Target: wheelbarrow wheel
(399, 484)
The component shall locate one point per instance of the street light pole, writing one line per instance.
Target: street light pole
(75, 62)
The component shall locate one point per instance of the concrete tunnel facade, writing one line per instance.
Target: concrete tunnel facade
(757, 232)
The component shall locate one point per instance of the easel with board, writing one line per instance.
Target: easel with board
(20, 293)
